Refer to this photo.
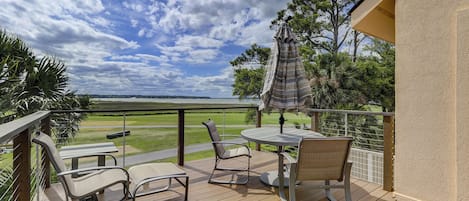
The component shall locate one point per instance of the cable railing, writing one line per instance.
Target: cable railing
(372, 150)
(370, 154)
(21, 180)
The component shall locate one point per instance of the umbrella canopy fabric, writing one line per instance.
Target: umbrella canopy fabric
(285, 85)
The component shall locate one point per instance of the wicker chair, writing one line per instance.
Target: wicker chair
(321, 159)
(97, 179)
(222, 154)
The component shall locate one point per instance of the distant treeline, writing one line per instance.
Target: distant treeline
(142, 96)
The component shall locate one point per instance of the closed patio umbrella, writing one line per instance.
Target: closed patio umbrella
(285, 85)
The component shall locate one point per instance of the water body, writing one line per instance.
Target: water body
(184, 100)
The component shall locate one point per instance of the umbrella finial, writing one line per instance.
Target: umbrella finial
(281, 121)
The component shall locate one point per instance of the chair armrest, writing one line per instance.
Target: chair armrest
(290, 159)
(232, 143)
(92, 169)
(291, 164)
(91, 155)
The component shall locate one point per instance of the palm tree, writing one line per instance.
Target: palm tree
(15, 58)
(42, 87)
(29, 84)
(334, 83)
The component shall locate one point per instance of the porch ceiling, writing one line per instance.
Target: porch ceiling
(375, 18)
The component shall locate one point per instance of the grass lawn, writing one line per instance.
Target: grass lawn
(146, 136)
(191, 118)
(154, 131)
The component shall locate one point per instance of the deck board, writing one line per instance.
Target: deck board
(199, 189)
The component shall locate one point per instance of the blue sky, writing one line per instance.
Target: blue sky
(174, 47)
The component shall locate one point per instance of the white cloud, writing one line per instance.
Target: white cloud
(256, 33)
(134, 22)
(142, 46)
(141, 32)
(149, 57)
(218, 85)
(202, 55)
(199, 41)
(124, 57)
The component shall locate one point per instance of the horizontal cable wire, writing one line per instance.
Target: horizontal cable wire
(9, 189)
(367, 148)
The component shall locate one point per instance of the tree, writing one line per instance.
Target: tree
(376, 73)
(15, 58)
(335, 84)
(357, 39)
(43, 88)
(249, 72)
(29, 84)
(339, 79)
(322, 25)
(323, 29)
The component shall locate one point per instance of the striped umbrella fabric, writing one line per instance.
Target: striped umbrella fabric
(285, 85)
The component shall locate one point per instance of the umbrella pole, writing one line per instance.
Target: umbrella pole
(281, 121)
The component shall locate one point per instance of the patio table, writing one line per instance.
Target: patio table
(272, 136)
(73, 150)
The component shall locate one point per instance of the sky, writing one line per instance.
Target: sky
(144, 47)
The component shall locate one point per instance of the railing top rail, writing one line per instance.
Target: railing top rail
(13, 128)
(356, 112)
(154, 109)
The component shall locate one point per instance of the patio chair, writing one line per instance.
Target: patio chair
(97, 179)
(222, 154)
(321, 159)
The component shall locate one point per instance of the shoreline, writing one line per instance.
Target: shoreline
(181, 100)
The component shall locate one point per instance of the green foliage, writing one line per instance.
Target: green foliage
(43, 88)
(29, 84)
(85, 102)
(340, 80)
(322, 25)
(6, 180)
(249, 72)
(248, 82)
(377, 74)
(334, 83)
(250, 116)
(15, 58)
(256, 56)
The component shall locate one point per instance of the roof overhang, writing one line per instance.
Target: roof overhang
(375, 18)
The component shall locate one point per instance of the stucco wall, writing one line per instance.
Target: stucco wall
(462, 103)
(432, 100)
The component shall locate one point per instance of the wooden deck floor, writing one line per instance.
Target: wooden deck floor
(261, 162)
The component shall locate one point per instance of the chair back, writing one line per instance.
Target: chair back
(322, 158)
(215, 137)
(48, 145)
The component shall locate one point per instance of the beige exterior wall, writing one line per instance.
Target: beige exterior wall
(432, 100)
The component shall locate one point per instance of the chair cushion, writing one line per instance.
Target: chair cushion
(97, 180)
(236, 152)
(144, 171)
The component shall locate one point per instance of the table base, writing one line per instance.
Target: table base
(270, 178)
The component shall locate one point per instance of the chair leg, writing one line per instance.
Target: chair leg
(126, 191)
(213, 171)
(214, 181)
(249, 167)
(292, 184)
(348, 194)
(187, 189)
(328, 191)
